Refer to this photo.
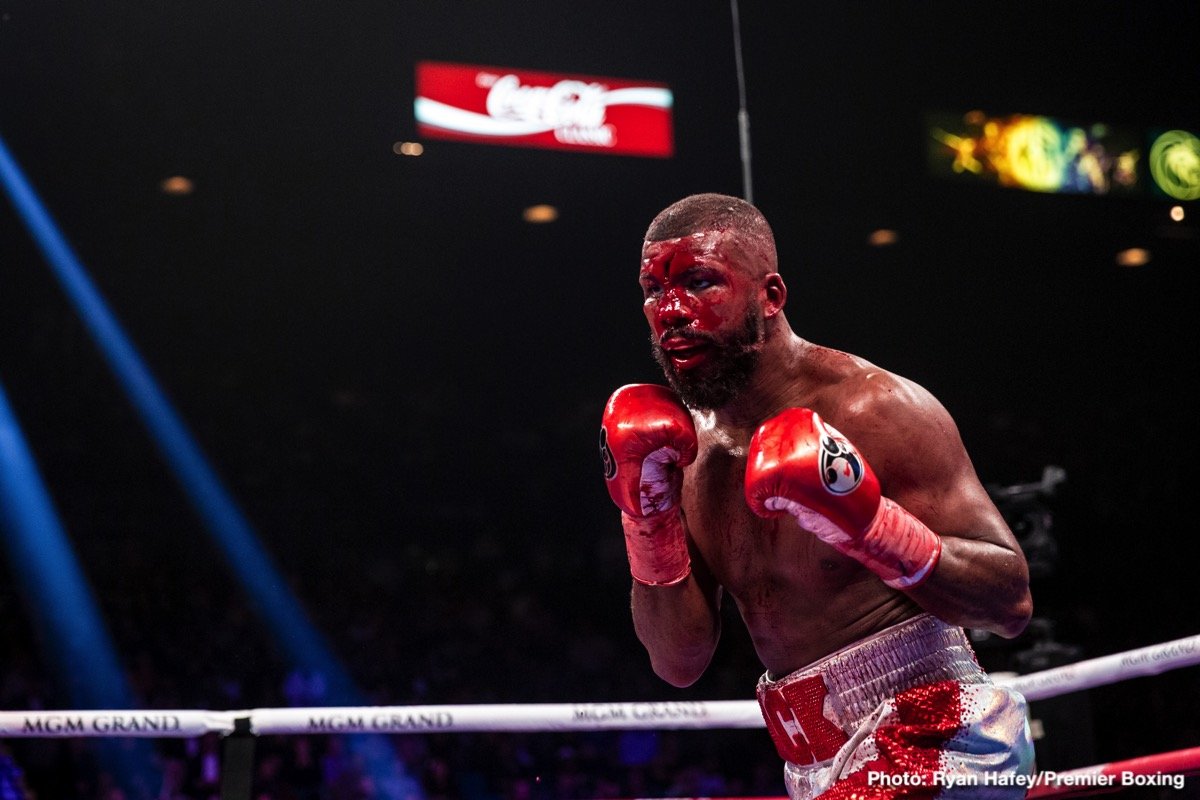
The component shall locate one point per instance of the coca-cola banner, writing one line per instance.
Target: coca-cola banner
(498, 105)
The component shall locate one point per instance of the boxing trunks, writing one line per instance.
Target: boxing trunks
(904, 713)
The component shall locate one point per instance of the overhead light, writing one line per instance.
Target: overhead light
(883, 237)
(540, 213)
(1177, 213)
(408, 148)
(177, 185)
(1173, 159)
(1133, 257)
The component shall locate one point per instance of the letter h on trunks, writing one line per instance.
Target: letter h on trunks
(794, 712)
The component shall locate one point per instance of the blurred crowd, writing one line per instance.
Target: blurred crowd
(466, 623)
(478, 611)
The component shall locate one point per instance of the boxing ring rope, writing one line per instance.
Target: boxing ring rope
(1104, 670)
(576, 717)
(535, 717)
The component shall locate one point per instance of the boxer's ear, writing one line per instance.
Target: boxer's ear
(773, 294)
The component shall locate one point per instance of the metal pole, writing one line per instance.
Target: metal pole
(237, 762)
(743, 114)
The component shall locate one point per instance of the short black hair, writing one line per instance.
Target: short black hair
(710, 211)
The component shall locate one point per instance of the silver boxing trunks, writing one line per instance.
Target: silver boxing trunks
(905, 713)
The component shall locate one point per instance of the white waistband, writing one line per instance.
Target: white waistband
(859, 677)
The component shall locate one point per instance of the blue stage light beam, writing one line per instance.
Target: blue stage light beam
(260, 578)
(65, 614)
(49, 575)
(249, 560)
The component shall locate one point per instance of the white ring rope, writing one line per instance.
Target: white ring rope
(1100, 671)
(700, 714)
(140, 724)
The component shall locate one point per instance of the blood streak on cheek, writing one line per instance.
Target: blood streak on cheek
(708, 315)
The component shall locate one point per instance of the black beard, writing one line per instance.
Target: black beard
(727, 371)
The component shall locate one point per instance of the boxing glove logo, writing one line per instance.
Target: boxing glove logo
(606, 456)
(841, 465)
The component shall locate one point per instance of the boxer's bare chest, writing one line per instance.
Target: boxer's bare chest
(800, 598)
(755, 559)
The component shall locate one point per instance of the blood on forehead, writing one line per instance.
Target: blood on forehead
(666, 258)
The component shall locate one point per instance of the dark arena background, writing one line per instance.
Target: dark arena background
(299, 409)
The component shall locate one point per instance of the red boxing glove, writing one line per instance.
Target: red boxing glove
(801, 466)
(646, 436)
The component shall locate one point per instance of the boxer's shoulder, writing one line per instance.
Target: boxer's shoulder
(857, 396)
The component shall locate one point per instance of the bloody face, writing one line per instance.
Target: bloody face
(705, 316)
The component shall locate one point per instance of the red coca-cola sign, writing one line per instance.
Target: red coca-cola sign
(505, 106)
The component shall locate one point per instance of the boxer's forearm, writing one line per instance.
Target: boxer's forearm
(679, 626)
(978, 584)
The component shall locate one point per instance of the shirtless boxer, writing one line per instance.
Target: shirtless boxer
(835, 503)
